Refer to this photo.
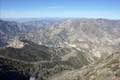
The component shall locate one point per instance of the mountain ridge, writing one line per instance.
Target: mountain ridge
(57, 46)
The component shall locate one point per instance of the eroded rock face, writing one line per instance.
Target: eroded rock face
(16, 43)
(32, 78)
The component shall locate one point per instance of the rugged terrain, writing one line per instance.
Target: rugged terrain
(61, 49)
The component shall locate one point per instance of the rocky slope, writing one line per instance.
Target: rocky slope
(97, 37)
(61, 49)
(107, 69)
(42, 61)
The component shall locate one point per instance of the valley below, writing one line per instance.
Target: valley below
(60, 49)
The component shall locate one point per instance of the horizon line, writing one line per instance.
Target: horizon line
(60, 18)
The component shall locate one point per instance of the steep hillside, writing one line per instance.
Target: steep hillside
(11, 69)
(107, 69)
(60, 49)
(42, 61)
(97, 37)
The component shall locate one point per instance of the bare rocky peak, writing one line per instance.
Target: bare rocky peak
(16, 43)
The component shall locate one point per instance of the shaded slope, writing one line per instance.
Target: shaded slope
(30, 52)
(41, 61)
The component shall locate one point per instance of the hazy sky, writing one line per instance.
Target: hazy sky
(60, 8)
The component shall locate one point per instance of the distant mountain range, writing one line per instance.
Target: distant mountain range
(62, 47)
